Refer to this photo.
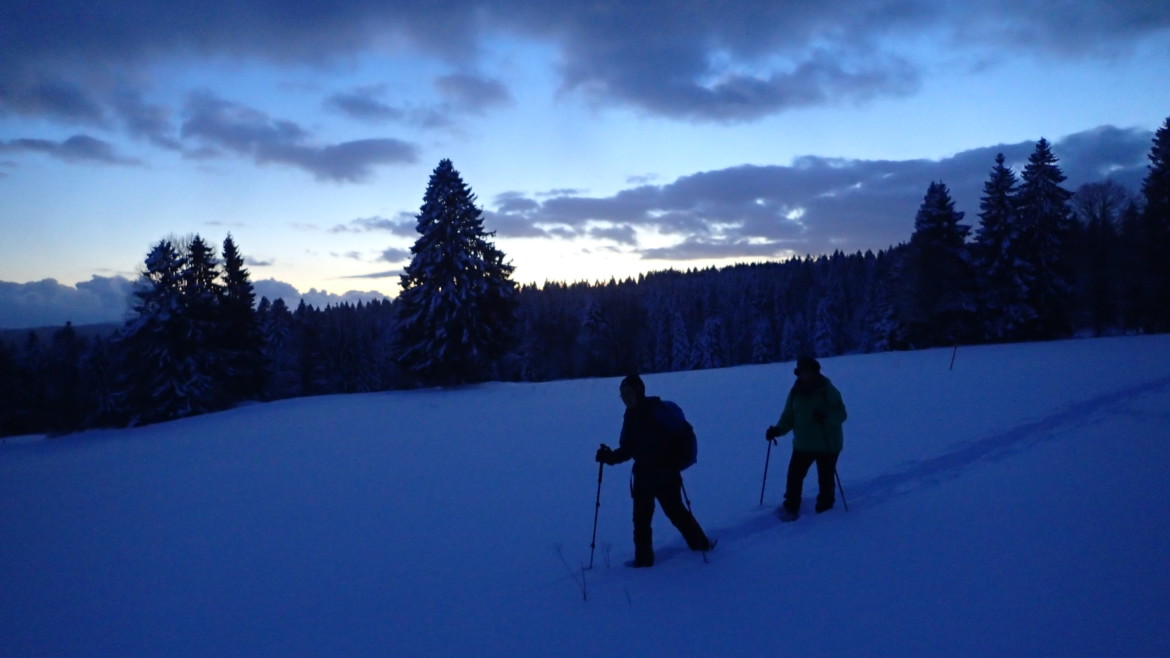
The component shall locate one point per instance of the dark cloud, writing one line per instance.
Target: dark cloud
(395, 255)
(146, 120)
(389, 274)
(621, 234)
(461, 93)
(78, 148)
(814, 205)
(707, 61)
(221, 125)
(472, 93)
(404, 224)
(366, 104)
(51, 98)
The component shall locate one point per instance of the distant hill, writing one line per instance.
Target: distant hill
(18, 336)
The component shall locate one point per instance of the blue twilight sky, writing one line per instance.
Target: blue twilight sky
(602, 138)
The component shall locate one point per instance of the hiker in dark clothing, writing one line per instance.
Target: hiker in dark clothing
(814, 413)
(656, 474)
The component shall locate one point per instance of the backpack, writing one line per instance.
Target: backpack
(682, 446)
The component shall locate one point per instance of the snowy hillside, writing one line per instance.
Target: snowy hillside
(1012, 506)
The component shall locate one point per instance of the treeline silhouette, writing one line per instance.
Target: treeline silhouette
(1043, 263)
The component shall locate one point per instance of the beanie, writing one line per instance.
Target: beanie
(807, 363)
(634, 382)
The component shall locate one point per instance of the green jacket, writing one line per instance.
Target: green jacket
(798, 417)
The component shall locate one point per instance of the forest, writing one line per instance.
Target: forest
(1037, 262)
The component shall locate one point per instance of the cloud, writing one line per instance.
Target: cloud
(813, 205)
(48, 303)
(699, 61)
(365, 103)
(395, 255)
(403, 225)
(146, 120)
(50, 97)
(78, 148)
(273, 290)
(222, 125)
(472, 93)
(390, 274)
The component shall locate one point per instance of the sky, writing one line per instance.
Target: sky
(602, 139)
(1013, 505)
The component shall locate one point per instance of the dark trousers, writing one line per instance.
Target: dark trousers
(798, 467)
(670, 497)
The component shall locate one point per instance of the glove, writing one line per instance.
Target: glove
(819, 416)
(771, 433)
(604, 455)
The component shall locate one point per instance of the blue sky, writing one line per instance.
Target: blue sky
(602, 138)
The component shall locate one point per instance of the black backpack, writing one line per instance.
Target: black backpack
(682, 446)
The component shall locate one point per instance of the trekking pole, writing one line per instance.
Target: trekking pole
(596, 511)
(767, 458)
(687, 498)
(840, 488)
(836, 475)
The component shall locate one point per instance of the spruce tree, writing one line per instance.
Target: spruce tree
(1045, 244)
(939, 307)
(1003, 309)
(245, 370)
(1155, 227)
(202, 303)
(162, 375)
(456, 310)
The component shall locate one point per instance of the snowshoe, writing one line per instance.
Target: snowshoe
(786, 515)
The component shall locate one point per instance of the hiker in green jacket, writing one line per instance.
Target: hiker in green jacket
(814, 413)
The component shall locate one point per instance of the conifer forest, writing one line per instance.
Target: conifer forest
(1035, 261)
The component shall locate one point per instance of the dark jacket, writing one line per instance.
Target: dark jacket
(645, 441)
(798, 416)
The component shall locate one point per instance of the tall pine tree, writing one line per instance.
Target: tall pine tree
(245, 370)
(939, 306)
(1046, 235)
(457, 307)
(1003, 310)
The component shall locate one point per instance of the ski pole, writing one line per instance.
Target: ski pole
(596, 511)
(836, 475)
(767, 458)
(682, 485)
(840, 488)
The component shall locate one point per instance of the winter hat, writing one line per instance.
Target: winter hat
(807, 363)
(634, 382)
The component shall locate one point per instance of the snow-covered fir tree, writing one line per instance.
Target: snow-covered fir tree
(1003, 309)
(938, 307)
(710, 349)
(825, 331)
(1045, 244)
(456, 311)
(680, 343)
(164, 374)
(278, 350)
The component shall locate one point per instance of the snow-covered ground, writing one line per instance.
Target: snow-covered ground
(1013, 506)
